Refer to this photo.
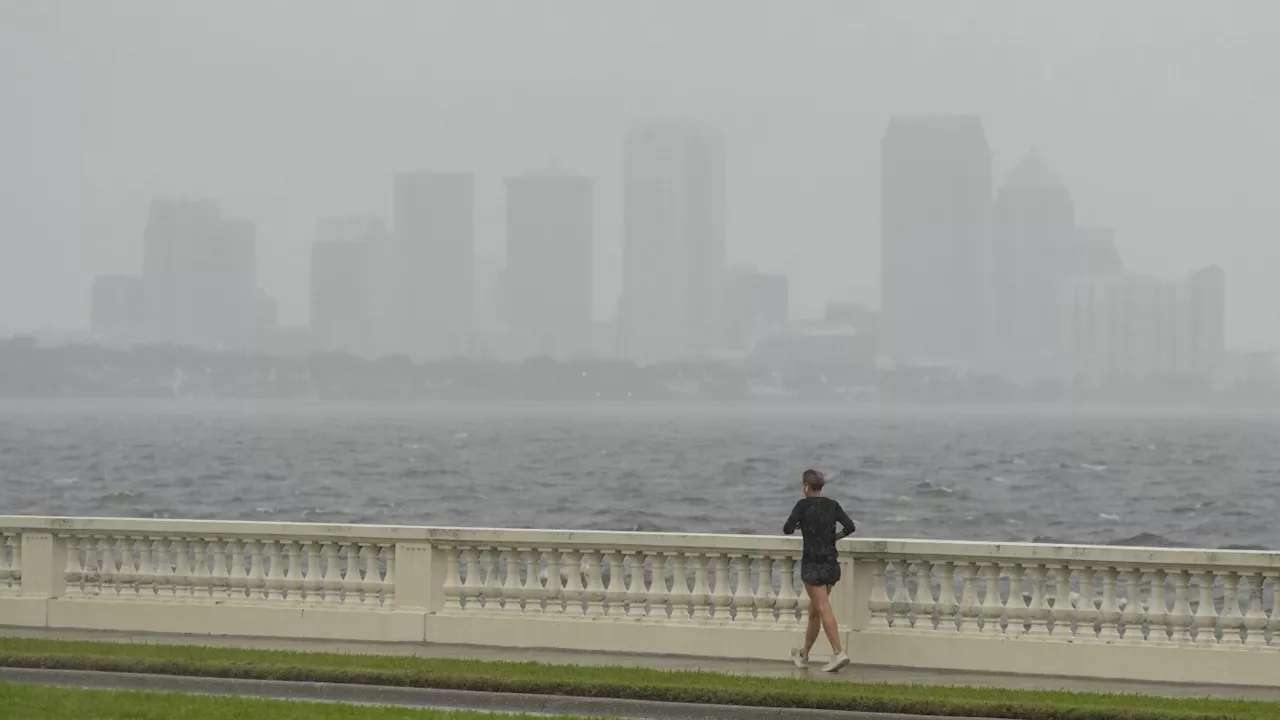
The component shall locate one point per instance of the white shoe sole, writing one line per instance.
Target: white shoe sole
(838, 666)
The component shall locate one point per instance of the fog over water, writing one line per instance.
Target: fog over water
(1137, 478)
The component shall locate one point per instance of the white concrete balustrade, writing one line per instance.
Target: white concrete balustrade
(1178, 615)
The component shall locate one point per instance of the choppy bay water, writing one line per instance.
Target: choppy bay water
(1117, 477)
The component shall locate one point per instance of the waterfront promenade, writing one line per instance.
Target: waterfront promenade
(1105, 618)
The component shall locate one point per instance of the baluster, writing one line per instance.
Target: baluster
(1255, 620)
(786, 601)
(615, 594)
(594, 593)
(351, 578)
(331, 581)
(1086, 611)
(1015, 605)
(217, 576)
(261, 552)
(634, 592)
(1060, 613)
(1232, 619)
(1132, 614)
(1205, 620)
(901, 603)
(7, 567)
(126, 577)
(106, 565)
(878, 602)
(1157, 609)
(574, 590)
(554, 590)
(286, 584)
(511, 591)
(387, 586)
(764, 589)
(1110, 610)
(1037, 611)
(201, 587)
(948, 608)
(992, 607)
(679, 597)
(148, 573)
(237, 580)
(922, 602)
(700, 599)
(656, 595)
(970, 609)
(452, 579)
(487, 599)
(164, 567)
(314, 582)
(183, 580)
(721, 597)
(471, 584)
(1180, 617)
(371, 580)
(744, 600)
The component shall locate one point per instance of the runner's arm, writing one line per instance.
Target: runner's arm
(843, 518)
(792, 522)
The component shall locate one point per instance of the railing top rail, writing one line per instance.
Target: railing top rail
(533, 539)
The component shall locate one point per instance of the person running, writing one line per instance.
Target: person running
(816, 516)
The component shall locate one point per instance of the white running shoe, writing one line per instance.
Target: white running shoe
(801, 660)
(837, 662)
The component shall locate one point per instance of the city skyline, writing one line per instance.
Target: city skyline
(1169, 148)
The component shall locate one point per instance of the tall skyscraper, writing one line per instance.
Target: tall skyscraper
(756, 306)
(1033, 235)
(200, 272)
(674, 243)
(549, 264)
(935, 214)
(174, 229)
(434, 233)
(343, 296)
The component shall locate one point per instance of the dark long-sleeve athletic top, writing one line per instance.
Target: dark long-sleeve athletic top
(817, 517)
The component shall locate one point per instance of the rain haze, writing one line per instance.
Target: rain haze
(364, 261)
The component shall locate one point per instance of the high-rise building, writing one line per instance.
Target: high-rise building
(548, 281)
(225, 286)
(434, 235)
(200, 271)
(756, 306)
(174, 229)
(1032, 237)
(674, 243)
(935, 214)
(1095, 253)
(119, 306)
(1131, 328)
(343, 296)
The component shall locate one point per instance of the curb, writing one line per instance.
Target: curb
(425, 698)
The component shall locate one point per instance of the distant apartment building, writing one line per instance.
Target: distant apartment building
(673, 283)
(200, 273)
(118, 308)
(549, 273)
(343, 277)
(756, 306)
(434, 230)
(1133, 328)
(1095, 253)
(935, 240)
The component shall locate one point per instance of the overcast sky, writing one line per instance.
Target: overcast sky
(1160, 114)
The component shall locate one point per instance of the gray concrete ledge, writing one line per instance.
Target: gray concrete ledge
(426, 698)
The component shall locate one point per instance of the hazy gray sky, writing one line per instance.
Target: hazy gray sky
(1154, 111)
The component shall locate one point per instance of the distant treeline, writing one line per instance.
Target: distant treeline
(31, 370)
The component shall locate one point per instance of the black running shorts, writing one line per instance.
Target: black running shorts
(820, 575)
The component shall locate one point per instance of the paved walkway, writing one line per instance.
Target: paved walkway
(782, 668)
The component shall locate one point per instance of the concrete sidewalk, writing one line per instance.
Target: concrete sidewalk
(781, 669)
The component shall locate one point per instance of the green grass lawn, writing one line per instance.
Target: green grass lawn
(31, 702)
(613, 682)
